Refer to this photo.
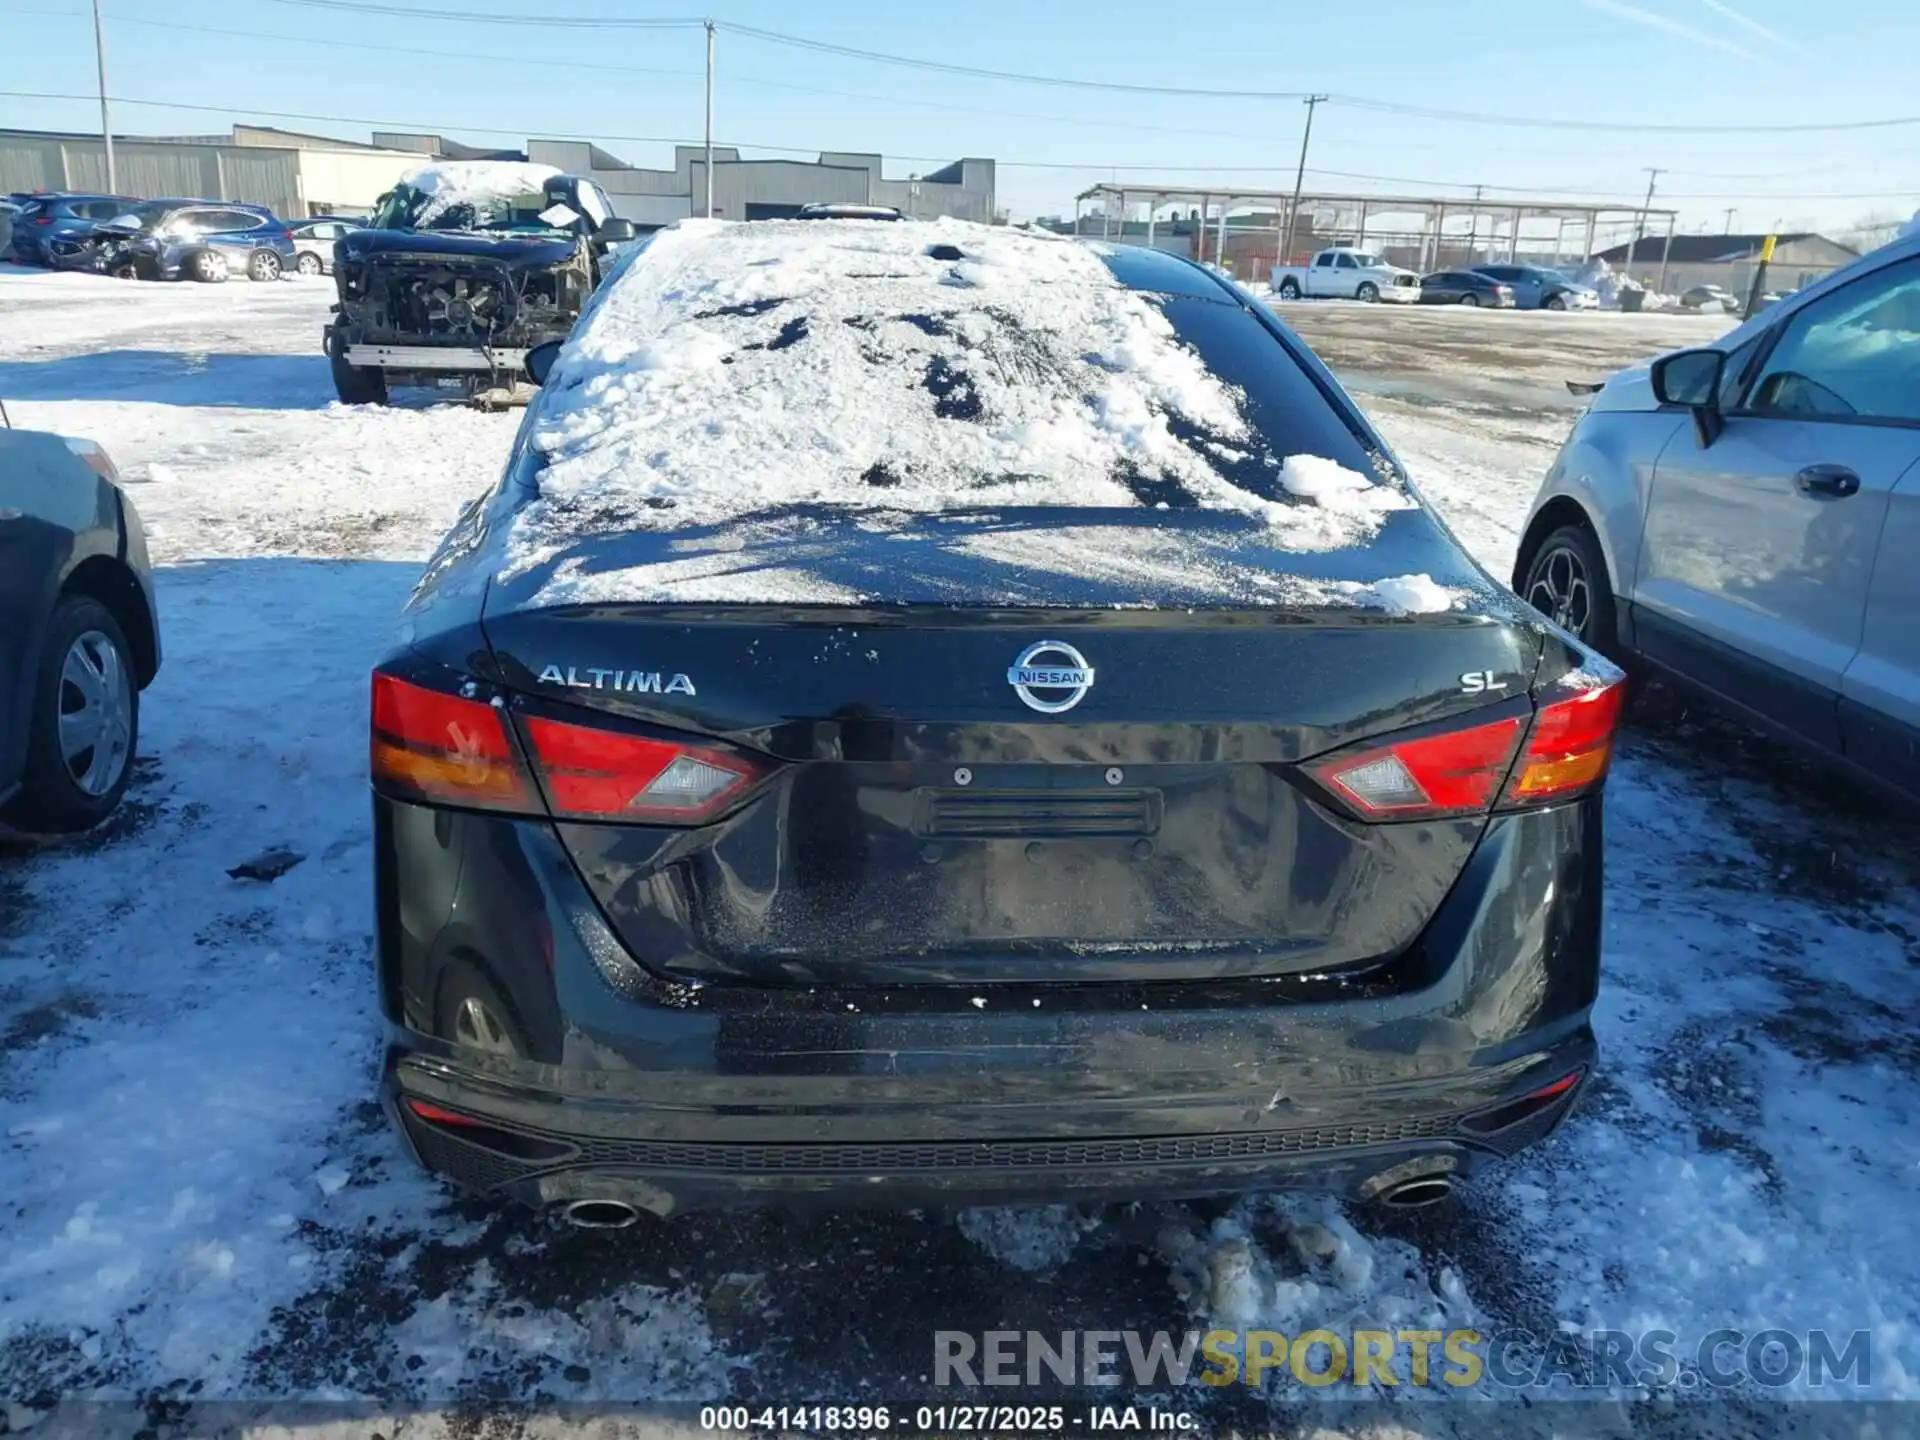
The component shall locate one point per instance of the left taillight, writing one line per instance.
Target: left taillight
(456, 750)
(1504, 764)
(435, 746)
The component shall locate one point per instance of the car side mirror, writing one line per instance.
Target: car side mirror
(1692, 378)
(540, 360)
(615, 230)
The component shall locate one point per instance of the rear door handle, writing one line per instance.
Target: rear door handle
(1835, 480)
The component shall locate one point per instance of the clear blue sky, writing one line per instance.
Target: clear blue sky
(1674, 62)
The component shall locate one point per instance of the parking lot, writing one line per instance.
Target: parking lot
(201, 1192)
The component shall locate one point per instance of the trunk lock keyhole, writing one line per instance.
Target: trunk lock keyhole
(1114, 775)
(963, 776)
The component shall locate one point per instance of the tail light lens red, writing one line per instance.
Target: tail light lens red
(1569, 747)
(606, 775)
(1478, 768)
(459, 751)
(442, 747)
(1454, 773)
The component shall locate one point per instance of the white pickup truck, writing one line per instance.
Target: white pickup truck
(1346, 275)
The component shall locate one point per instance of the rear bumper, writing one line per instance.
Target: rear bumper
(1400, 294)
(669, 1098)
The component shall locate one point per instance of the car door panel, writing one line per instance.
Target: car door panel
(1321, 277)
(1880, 692)
(234, 238)
(1738, 553)
(40, 513)
(1750, 545)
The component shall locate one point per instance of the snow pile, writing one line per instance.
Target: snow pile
(1600, 278)
(1910, 230)
(487, 185)
(1403, 595)
(1033, 1238)
(732, 369)
(1315, 1271)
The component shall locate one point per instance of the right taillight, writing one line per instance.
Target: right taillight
(1568, 747)
(1504, 764)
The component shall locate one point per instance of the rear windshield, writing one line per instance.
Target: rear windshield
(728, 371)
(1288, 412)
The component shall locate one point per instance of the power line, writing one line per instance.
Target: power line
(440, 53)
(1357, 102)
(945, 67)
(435, 52)
(597, 66)
(494, 17)
(1471, 117)
(1088, 167)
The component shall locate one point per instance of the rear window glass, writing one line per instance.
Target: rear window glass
(1282, 403)
(741, 370)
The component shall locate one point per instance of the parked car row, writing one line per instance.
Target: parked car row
(1349, 274)
(168, 239)
(1509, 287)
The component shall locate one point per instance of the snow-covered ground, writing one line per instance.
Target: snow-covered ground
(201, 1204)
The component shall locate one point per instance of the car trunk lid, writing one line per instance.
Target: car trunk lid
(1069, 750)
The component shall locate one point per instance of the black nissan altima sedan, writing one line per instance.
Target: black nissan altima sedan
(938, 714)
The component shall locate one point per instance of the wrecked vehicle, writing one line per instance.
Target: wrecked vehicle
(204, 240)
(466, 266)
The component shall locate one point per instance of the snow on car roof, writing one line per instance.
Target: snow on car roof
(474, 182)
(728, 369)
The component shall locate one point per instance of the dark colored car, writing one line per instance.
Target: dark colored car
(45, 218)
(78, 635)
(1709, 297)
(1465, 287)
(464, 267)
(743, 839)
(205, 240)
(1536, 288)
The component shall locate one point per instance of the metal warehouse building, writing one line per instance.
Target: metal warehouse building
(746, 189)
(299, 175)
(294, 175)
(1730, 260)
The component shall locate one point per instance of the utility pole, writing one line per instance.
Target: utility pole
(709, 116)
(106, 124)
(1640, 229)
(1300, 175)
(1731, 212)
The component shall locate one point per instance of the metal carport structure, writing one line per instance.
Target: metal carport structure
(1434, 214)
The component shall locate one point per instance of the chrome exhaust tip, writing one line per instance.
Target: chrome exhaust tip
(1413, 1194)
(600, 1214)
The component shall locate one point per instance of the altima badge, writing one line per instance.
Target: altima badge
(627, 682)
(1056, 669)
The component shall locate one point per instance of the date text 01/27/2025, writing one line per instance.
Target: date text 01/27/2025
(947, 1419)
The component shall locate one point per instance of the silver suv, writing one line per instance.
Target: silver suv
(1746, 518)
